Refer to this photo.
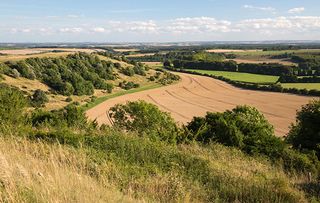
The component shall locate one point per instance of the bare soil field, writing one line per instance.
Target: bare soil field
(153, 64)
(196, 95)
(40, 55)
(231, 50)
(42, 50)
(125, 50)
(21, 51)
(140, 55)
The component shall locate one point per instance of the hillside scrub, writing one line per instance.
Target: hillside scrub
(76, 74)
(99, 163)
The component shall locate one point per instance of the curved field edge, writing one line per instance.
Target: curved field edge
(254, 86)
(241, 77)
(100, 100)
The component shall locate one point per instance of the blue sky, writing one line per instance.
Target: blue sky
(158, 21)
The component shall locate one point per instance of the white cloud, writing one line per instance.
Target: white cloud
(23, 30)
(71, 30)
(99, 29)
(296, 22)
(296, 10)
(198, 25)
(259, 8)
(26, 30)
(142, 27)
(186, 28)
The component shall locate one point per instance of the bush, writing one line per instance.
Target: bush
(12, 104)
(39, 98)
(152, 78)
(128, 71)
(305, 134)
(14, 73)
(69, 99)
(243, 127)
(295, 161)
(139, 70)
(128, 85)
(145, 119)
(41, 117)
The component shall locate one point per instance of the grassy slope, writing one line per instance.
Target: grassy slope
(58, 101)
(120, 93)
(101, 166)
(243, 77)
(38, 172)
(308, 86)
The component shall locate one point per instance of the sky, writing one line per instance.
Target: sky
(158, 21)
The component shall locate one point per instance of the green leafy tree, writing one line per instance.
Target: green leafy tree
(12, 104)
(243, 127)
(305, 134)
(146, 119)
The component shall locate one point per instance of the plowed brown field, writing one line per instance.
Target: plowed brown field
(196, 95)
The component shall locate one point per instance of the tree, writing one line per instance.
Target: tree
(12, 104)
(167, 63)
(243, 127)
(145, 119)
(39, 98)
(305, 134)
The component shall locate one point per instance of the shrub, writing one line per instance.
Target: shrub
(295, 161)
(128, 71)
(139, 70)
(128, 85)
(39, 98)
(305, 134)
(145, 119)
(12, 104)
(152, 78)
(244, 127)
(41, 117)
(14, 73)
(69, 99)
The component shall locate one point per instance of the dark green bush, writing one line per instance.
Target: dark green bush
(145, 119)
(243, 127)
(39, 98)
(139, 70)
(128, 71)
(305, 134)
(295, 161)
(12, 104)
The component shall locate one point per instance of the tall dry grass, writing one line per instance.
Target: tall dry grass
(38, 172)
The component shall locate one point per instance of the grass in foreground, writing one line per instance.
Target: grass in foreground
(308, 86)
(95, 168)
(241, 77)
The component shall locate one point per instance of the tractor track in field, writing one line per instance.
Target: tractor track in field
(196, 95)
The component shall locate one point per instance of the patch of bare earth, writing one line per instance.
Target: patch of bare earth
(141, 55)
(196, 95)
(231, 50)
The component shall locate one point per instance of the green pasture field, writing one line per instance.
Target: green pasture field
(242, 77)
